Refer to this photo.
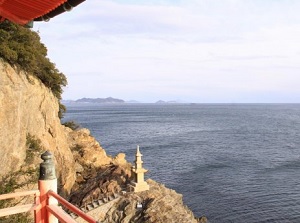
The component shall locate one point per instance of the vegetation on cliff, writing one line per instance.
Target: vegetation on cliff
(21, 47)
(24, 178)
(83, 166)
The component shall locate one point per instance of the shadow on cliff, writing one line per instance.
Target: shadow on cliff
(100, 183)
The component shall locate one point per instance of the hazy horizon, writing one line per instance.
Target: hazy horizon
(132, 101)
(220, 51)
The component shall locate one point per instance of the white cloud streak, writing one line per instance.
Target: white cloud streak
(197, 51)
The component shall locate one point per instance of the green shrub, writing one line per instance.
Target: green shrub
(19, 179)
(9, 184)
(62, 110)
(20, 218)
(21, 47)
(72, 125)
(34, 147)
(77, 148)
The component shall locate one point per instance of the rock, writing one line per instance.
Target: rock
(89, 151)
(28, 107)
(120, 159)
(79, 179)
(202, 219)
(78, 168)
(107, 181)
(159, 204)
(113, 186)
(85, 132)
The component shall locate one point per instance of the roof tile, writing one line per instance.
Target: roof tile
(23, 11)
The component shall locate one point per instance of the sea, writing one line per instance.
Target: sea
(231, 162)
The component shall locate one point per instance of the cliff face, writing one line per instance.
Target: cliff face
(159, 204)
(29, 108)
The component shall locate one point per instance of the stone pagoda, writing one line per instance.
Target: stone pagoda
(139, 184)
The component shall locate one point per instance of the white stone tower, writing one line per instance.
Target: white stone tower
(139, 184)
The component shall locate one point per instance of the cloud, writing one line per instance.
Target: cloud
(203, 50)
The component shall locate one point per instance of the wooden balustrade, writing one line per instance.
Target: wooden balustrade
(20, 208)
(69, 206)
(46, 199)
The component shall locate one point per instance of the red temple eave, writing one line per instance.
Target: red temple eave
(24, 11)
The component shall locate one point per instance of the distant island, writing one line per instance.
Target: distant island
(165, 102)
(95, 100)
(111, 100)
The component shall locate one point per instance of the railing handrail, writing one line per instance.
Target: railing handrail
(46, 199)
(60, 214)
(19, 194)
(20, 208)
(71, 207)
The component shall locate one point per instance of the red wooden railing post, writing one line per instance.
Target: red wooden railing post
(37, 211)
(47, 181)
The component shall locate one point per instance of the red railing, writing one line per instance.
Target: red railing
(53, 209)
(45, 206)
(20, 208)
(56, 211)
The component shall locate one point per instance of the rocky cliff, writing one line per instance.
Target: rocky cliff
(29, 116)
(159, 204)
(100, 190)
(29, 108)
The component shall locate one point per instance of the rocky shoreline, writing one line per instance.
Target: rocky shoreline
(29, 124)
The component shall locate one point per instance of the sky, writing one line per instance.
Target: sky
(200, 51)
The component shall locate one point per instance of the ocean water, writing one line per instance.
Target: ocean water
(231, 162)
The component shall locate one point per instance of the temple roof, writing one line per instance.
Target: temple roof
(24, 11)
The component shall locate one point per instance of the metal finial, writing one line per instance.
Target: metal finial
(46, 156)
(47, 168)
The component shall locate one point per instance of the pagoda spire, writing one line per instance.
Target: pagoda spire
(139, 184)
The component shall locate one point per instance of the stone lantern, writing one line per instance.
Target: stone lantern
(139, 184)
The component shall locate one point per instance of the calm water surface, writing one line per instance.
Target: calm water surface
(232, 163)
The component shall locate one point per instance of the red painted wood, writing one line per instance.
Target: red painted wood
(17, 209)
(22, 208)
(19, 194)
(45, 206)
(60, 214)
(71, 207)
(23, 11)
(44, 187)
